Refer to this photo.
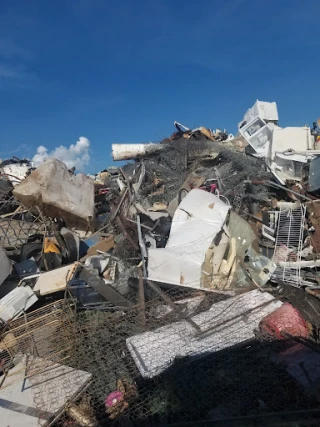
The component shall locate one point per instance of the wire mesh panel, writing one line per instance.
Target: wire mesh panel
(251, 375)
(45, 333)
(289, 244)
(14, 233)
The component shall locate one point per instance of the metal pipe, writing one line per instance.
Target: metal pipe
(275, 185)
(135, 151)
(142, 304)
(119, 205)
(142, 247)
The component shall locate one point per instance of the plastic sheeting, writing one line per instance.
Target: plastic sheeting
(196, 222)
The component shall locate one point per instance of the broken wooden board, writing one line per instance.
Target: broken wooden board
(54, 280)
(104, 245)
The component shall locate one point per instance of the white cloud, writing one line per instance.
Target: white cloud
(77, 155)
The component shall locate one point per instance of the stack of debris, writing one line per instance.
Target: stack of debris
(203, 244)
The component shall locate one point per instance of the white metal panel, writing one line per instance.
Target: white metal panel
(16, 301)
(288, 141)
(196, 222)
(258, 134)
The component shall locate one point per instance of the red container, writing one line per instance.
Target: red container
(285, 321)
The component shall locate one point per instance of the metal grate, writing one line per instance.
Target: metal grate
(44, 333)
(289, 243)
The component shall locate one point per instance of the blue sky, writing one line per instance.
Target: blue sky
(123, 71)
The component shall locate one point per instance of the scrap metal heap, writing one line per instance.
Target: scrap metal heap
(183, 286)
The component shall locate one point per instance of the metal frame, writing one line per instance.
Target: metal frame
(289, 244)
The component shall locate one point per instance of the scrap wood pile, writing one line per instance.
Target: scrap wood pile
(134, 294)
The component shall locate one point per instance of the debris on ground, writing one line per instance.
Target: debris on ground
(192, 270)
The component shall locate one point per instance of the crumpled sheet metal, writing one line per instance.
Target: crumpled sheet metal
(196, 222)
(113, 271)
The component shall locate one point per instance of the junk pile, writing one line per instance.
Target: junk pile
(119, 291)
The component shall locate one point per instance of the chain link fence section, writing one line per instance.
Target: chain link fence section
(257, 377)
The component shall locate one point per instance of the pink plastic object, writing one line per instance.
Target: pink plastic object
(286, 320)
(113, 398)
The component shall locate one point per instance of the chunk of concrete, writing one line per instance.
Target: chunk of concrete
(59, 194)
